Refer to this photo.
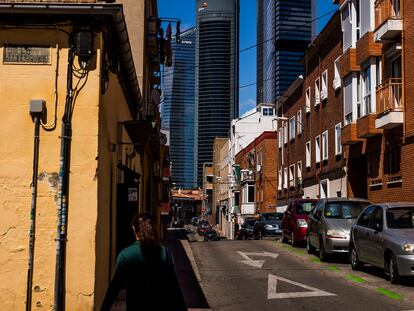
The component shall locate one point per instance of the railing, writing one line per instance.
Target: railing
(389, 96)
(386, 9)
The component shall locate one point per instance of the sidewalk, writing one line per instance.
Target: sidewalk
(188, 278)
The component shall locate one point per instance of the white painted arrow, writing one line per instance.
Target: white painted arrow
(256, 263)
(273, 294)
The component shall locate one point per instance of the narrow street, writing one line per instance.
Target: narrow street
(268, 275)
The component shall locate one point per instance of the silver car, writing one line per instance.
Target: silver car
(329, 225)
(384, 237)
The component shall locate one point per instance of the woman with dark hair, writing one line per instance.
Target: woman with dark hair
(146, 270)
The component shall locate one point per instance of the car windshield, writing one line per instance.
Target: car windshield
(273, 216)
(400, 218)
(304, 207)
(344, 209)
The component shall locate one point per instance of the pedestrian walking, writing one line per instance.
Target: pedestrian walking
(145, 269)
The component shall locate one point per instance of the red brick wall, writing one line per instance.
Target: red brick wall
(324, 117)
(407, 152)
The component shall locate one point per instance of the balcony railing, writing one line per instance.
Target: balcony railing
(389, 96)
(386, 9)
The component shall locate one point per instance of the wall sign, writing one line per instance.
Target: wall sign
(25, 54)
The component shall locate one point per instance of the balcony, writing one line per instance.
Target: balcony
(366, 47)
(349, 135)
(389, 104)
(348, 63)
(388, 20)
(366, 126)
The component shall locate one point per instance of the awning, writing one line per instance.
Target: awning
(139, 132)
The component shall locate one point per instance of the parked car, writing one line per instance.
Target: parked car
(246, 230)
(383, 236)
(295, 220)
(329, 225)
(269, 224)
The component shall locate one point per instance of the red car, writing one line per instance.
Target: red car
(294, 223)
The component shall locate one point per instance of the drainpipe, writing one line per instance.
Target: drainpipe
(63, 196)
(37, 108)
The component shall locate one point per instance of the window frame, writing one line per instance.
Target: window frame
(299, 120)
(325, 145)
(285, 178)
(317, 149)
(292, 128)
(324, 85)
(317, 99)
(308, 100)
(338, 145)
(308, 154)
(292, 176)
(299, 174)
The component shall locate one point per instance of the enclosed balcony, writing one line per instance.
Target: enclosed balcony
(389, 104)
(349, 135)
(388, 20)
(366, 126)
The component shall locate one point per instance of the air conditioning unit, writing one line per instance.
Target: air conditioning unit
(246, 175)
(337, 84)
(258, 168)
(324, 94)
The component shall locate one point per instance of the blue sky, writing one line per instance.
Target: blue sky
(185, 10)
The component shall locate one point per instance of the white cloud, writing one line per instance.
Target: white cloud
(246, 106)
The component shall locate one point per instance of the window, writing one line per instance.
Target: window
(325, 145)
(292, 128)
(308, 100)
(308, 154)
(299, 174)
(358, 95)
(338, 146)
(365, 217)
(366, 88)
(267, 111)
(292, 176)
(392, 159)
(317, 149)
(324, 91)
(285, 178)
(279, 182)
(358, 19)
(317, 92)
(299, 119)
(280, 138)
(324, 189)
(373, 166)
(285, 133)
(337, 77)
(250, 193)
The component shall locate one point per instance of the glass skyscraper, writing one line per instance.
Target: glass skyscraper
(217, 67)
(178, 110)
(283, 33)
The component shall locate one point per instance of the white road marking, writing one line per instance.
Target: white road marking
(256, 263)
(273, 294)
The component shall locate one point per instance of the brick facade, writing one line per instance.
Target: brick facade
(264, 152)
(323, 117)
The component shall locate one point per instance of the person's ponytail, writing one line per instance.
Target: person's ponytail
(150, 245)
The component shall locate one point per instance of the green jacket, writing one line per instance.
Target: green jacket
(149, 285)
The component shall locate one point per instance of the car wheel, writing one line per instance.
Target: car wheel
(353, 258)
(393, 274)
(292, 239)
(284, 239)
(309, 247)
(323, 256)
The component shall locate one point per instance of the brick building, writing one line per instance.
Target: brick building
(258, 184)
(311, 158)
(378, 108)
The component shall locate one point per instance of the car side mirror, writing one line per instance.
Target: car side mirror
(378, 227)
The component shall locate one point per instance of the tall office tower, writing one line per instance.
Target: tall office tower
(283, 33)
(217, 74)
(178, 114)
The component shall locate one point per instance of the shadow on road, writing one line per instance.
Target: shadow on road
(190, 287)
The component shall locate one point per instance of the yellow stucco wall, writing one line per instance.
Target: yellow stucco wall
(89, 257)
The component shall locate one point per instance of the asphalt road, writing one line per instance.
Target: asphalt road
(268, 275)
